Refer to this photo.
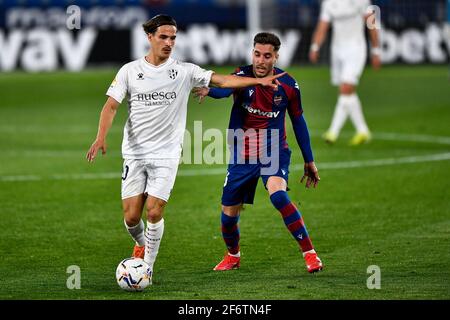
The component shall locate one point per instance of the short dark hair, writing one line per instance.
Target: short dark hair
(160, 20)
(267, 38)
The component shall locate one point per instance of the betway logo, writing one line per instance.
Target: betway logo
(157, 96)
(267, 114)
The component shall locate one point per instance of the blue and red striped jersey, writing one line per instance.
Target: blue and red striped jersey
(260, 107)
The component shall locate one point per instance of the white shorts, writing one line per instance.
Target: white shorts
(154, 177)
(347, 65)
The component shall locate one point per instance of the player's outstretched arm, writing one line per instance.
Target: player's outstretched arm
(231, 81)
(106, 119)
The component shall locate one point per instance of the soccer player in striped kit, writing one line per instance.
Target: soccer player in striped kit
(260, 113)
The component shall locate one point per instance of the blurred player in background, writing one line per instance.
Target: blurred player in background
(348, 58)
(157, 89)
(256, 109)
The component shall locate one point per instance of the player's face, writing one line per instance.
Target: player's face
(163, 41)
(264, 58)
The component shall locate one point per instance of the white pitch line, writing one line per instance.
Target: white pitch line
(222, 170)
(53, 153)
(378, 162)
(411, 137)
(116, 153)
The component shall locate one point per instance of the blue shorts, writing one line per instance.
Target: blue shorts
(242, 179)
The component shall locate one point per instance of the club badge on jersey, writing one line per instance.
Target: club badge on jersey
(173, 74)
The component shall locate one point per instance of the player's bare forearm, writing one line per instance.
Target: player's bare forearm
(375, 48)
(106, 119)
(374, 38)
(231, 81)
(320, 33)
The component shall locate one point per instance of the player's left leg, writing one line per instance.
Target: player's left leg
(362, 134)
(352, 70)
(293, 220)
(161, 174)
(155, 229)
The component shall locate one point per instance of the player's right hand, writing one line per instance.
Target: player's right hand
(313, 56)
(376, 62)
(93, 150)
(200, 93)
(271, 81)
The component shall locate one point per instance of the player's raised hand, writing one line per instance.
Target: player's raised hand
(311, 174)
(93, 150)
(271, 81)
(200, 93)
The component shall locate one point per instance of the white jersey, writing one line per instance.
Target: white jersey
(157, 106)
(347, 17)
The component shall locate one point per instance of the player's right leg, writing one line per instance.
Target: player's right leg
(132, 209)
(231, 236)
(133, 200)
(239, 188)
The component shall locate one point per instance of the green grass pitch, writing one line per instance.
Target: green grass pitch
(386, 203)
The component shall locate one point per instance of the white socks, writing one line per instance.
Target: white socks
(348, 105)
(340, 115)
(136, 232)
(153, 235)
(356, 114)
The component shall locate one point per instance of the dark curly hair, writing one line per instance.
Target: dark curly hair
(160, 20)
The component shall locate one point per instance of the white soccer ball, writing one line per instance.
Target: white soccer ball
(133, 274)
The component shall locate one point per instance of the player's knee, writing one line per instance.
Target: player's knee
(154, 214)
(132, 220)
(347, 89)
(132, 215)
(155, 211)
(275, 184)
(232, 211)
(275, 187)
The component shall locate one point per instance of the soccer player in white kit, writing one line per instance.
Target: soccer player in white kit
(157, 88)
(348, 58)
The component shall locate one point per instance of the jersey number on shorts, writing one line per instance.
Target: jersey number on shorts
(127, 168)
(226, 180)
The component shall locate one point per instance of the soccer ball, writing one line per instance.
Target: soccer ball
(133, 274)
